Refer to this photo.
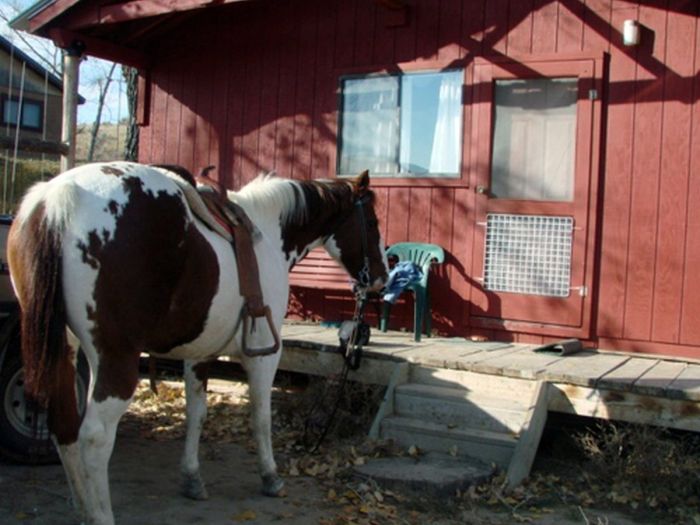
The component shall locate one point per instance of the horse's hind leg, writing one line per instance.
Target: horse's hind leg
(68, 447)
(196, 397)
(261, 373)
(113, 390)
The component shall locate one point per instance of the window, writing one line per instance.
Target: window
(407, 125)
(534, 139)
(31, 113)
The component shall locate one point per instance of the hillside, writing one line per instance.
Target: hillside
(110, 142)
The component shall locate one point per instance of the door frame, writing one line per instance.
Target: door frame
(590, 71)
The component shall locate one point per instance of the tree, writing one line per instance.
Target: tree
(132, 130)
(103, 84)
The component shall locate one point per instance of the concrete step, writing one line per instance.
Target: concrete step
(488, 446)
(456, 407)
(429, 475)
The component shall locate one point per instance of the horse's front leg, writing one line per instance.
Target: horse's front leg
(196, 374)
(261, 373)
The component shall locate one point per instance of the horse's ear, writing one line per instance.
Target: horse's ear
(361, 183)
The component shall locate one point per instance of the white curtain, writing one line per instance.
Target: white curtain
(446, 149)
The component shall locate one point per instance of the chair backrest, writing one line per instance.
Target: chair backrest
(422, 254)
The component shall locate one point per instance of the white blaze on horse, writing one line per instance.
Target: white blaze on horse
(110, 257)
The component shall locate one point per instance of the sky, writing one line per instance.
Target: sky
(92, 70)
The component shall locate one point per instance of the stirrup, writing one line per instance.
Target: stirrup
(256, 352)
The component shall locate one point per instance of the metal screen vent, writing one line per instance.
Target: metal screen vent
(528, 254)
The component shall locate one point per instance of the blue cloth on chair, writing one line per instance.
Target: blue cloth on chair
(401, 275)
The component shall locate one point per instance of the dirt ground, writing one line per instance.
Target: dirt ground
(145, 481)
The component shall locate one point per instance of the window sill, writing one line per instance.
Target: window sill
(433, 182)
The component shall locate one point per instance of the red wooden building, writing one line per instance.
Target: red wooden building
(556, 163)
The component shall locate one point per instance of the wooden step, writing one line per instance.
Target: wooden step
(488, 446)
(485, 384)
(460, 408)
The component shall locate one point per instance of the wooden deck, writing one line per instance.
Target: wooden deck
(608, 385)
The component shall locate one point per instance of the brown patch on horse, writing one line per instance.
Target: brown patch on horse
(201, 372)
(157, 277)
(112, 207)
(332, 206)
(182, 172)
(327, 203)
(111, 170)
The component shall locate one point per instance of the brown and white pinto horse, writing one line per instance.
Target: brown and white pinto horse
(110, 257)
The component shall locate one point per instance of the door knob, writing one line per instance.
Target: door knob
(482, 190)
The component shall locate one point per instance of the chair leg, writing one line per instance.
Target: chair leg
(384, 319)
(428, 314)
(418, 314)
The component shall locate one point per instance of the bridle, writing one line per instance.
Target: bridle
(363, 276)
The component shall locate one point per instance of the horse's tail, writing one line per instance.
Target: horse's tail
(34, 249)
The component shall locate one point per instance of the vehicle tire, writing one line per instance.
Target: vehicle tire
(24, 436)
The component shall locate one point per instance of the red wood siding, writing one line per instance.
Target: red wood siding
(249, 88)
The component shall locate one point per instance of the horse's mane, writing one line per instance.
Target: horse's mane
(293, 199)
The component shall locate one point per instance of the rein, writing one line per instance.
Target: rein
(363, 277)
(351, 361)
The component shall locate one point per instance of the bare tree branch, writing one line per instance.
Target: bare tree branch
(31, 44)
(104, 88)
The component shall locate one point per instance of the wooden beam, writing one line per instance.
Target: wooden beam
(99, 48)
(625, 406)
(529, 438)
(34, 145)
(398, 377)
(71, 75)
(92, 15)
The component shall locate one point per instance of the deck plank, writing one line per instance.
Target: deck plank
(687, 384)
(471, 361)
(624, 376)
(524, 364)
(440, 355)
(656, 381)
(584, 368)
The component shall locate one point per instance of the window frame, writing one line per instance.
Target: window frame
(25, 101)
(404, 180)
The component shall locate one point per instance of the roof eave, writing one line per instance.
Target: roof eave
(21, 21)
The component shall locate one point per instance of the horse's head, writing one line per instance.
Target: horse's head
(356, 241)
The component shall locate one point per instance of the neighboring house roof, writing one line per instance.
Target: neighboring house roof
(31, 63)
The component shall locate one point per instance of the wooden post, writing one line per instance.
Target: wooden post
(71, 73)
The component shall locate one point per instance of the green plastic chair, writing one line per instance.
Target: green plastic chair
(422, 254)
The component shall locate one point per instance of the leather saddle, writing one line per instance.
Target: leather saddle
(208, 201)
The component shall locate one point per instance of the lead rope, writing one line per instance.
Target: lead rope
(351, 361)
(353, 350)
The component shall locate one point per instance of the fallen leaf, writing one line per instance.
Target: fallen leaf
(246, 515)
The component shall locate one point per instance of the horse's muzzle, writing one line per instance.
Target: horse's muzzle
(377, 285)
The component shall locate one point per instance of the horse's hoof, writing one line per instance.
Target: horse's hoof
(273, 486)
(193, 487)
